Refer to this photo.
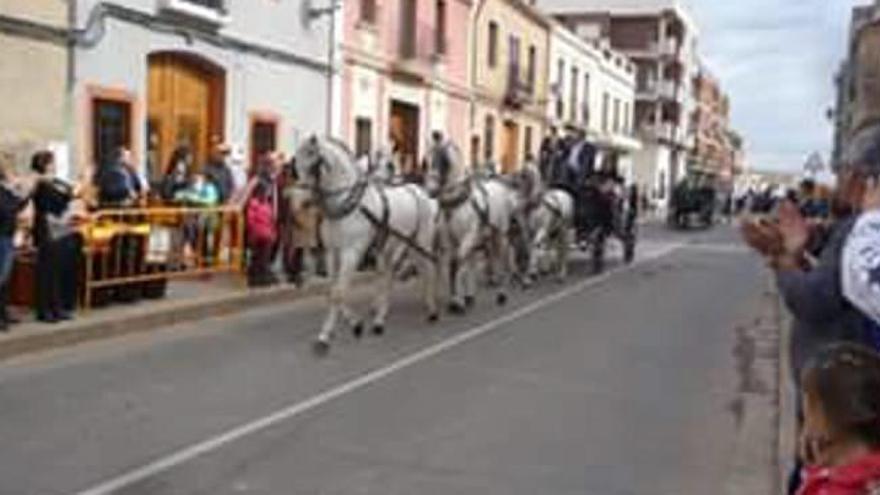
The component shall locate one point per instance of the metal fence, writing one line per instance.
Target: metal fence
(138, 250)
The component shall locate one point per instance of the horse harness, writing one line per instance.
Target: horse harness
(354, 202)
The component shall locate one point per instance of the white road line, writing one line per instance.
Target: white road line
(719, 248)
(193, 451)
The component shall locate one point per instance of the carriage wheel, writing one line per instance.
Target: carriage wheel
(629, 249)
(598, 246)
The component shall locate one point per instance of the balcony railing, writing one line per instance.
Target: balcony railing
(519, 88)
(209, 11)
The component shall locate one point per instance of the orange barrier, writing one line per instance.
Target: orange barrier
(140, 249)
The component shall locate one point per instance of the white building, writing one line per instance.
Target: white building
(593, 88)
(156, 74)
(660, 37)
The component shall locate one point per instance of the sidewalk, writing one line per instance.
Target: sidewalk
(186, 301)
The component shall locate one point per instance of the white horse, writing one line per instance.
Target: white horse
(474, 213)
(360, 215)
(549, 217)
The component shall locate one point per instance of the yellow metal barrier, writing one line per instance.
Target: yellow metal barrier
(142, 248)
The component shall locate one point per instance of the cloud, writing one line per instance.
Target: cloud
(777, 59)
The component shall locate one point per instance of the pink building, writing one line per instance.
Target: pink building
(404, 74)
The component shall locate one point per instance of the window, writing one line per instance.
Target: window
(210, 4)
(475, 151)
(368, 11)
(489, 138)
(440, 40)
(585, 106)
(627, 119)
(532, 68)
(363, 136)
(575, 77)
(560, 87)
(527, 147)
(513, 53)
(493, 44)
(605, 102)
(111, 129)
(408, 29)
(264, 135)
(616, 115)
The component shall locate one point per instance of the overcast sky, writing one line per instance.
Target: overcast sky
(776, 59)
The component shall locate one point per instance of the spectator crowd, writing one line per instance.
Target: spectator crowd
(826, 260)
(42, 212)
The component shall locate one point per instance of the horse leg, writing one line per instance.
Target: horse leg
(348, 264)
(535, 255)
(507, 264)
(562, 248)
(385, 268)
(322, 343)
(428, 278)
(464, 284)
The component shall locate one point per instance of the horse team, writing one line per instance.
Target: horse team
(516, 226)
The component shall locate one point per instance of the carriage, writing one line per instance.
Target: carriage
(692, 198)
(606, 209)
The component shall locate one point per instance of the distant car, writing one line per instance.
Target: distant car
(692, 200)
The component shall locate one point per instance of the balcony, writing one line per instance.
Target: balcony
(647, 90)
(670, 91)
(421, 50)
(669, 48)
(519, 90)
(210, 12)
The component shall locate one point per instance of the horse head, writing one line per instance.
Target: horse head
(324, 164)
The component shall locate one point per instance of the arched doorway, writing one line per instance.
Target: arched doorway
(186, 97)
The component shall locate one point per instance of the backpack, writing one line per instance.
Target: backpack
(260, 221)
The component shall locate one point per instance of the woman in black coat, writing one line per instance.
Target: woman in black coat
(57, 243)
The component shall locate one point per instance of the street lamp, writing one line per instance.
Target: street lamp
(314, 13)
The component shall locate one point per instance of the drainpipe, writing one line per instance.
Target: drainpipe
(472, 69)
(70, 88)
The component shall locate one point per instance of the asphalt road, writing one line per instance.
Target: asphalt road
(620, 384)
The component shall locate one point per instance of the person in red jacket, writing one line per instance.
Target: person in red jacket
(840, 441)
(261, 235)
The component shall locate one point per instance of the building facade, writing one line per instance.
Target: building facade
(660, 37)
(508, 73)
(714, 144)
(153, 75)
(33, 71)
(592, 87)
(846, 80)
(404, 74)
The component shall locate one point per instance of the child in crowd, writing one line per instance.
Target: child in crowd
(840, 440)
(261, 234)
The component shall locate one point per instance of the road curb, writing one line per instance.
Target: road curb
(151, 316)
(786, 421)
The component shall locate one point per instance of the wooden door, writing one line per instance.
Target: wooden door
(185, 106)
(510, 147)
(404, 132)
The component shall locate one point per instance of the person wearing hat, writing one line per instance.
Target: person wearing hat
(812, 288)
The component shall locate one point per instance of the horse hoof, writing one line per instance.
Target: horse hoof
(456, 308)
(433, 318)
(321, 347)
(378, 329)
(501, 299)
(358, 330)
(469, 301)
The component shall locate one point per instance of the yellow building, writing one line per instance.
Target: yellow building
(509, 78)
(33, 71)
